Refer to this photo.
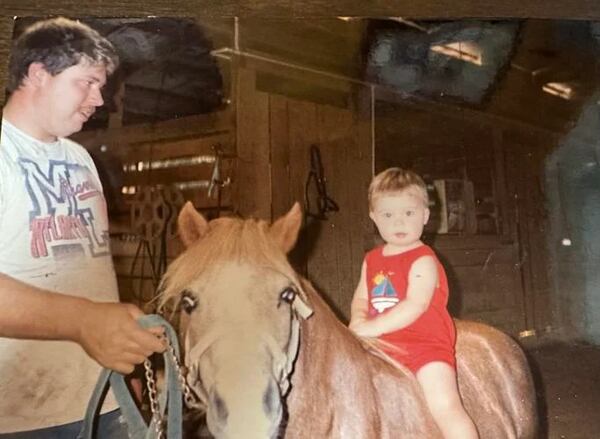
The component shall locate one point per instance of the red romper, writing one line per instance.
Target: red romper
(429, 338)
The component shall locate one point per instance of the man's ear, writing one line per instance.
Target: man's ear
(37, 73)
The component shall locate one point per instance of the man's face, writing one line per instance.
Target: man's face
(67, 100)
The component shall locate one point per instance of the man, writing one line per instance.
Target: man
(58, 289)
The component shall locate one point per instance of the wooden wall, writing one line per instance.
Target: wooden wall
(502, 275)
(525, 153)
(266, 134)
(137, 217)
(500, 278)
(274, 136)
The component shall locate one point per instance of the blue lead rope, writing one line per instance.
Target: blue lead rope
(136, 425)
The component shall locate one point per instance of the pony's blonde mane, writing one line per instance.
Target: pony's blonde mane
(227, 240)
(373, 346)
(242, 241)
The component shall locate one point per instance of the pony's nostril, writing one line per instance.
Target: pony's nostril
(271, 399)
(219, 407)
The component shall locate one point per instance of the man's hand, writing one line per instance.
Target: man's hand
(111, 335)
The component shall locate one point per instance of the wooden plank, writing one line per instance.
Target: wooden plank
(302, 123)
(198, 197)
(327, 44)
(252, 186)
(362, 161)
(170, 148)
(185, 127)
(351, 195)
(302, 119)
(537, 38)
(501, 195)
(477, 257)
(301, 89)
(280, 156)
(324, 265)
(506, 320)
(391, 95)
(201, 200)
(425, 9)
(337, 244)
(127, 248)
(6, 31)
(494, 288)
(177, 174)
(528, 154)
(465, 242)
(362, 233)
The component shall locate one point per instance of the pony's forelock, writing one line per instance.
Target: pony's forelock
(227, 240)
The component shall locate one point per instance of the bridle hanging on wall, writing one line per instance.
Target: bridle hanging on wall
(316, 176)
(216, 184)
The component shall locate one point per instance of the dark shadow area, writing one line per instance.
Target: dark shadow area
(567, 378)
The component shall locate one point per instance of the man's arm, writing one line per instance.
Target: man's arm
(422, 280)
(108, 332)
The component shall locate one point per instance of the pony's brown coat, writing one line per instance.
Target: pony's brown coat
(340, 387)
(366, 397)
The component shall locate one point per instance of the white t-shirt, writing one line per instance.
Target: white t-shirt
(54, 235)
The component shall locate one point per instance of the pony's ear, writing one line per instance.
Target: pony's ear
(285, 229)
(191, 224)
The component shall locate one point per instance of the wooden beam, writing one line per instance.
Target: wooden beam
(574, 9)
(252, 185)
(6, 29)
(391, 95)
(177, 129)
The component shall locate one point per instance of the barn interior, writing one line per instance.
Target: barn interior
(249, 115)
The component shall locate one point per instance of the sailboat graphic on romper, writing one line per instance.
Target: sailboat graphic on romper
(383, 294)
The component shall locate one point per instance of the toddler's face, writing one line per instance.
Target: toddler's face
(400, 218)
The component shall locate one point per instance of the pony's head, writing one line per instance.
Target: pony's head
(239, 302)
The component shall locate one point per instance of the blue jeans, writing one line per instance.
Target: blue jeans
(109, 426)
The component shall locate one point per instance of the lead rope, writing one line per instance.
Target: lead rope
(169, 400)
(175, 370)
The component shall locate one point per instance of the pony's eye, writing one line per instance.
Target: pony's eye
(287, 295)
(188, 302)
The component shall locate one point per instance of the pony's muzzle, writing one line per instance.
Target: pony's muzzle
(227, 421)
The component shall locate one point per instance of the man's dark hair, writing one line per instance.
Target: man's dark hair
(58, 44)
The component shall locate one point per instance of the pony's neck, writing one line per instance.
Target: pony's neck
(340, 389)
(331, 365)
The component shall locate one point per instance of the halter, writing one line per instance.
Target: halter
(170, 399)
(176, 382)
(299, 310)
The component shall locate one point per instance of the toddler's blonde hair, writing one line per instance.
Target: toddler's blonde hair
(396, 180)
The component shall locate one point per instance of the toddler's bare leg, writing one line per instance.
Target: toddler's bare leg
(438, 381)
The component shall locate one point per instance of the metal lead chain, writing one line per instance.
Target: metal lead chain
(188, 397)
(153, 396)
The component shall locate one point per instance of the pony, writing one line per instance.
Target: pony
(267, 358)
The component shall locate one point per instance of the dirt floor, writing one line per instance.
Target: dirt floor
(568, 386)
